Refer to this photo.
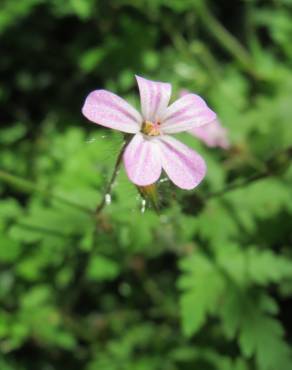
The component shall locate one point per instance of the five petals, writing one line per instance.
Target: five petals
(146, 156)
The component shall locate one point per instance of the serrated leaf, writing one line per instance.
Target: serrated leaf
(259, 334)
(265, 266)
(247, 266)
(201, 285)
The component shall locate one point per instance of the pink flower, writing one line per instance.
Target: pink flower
(151, 149)
(212, 134)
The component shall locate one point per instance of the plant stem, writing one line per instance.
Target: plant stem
(226, 39)
(150, 193)
(276, 165)
(42, 230)
(238, 185)
(81, 274)
(28, 186)
(111, 182)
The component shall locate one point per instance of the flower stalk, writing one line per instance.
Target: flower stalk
(109, 186)
(150, 193)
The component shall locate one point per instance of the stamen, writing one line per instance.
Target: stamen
(150, 128)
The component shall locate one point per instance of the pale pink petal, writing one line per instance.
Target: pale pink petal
(184, 167)
(213, 135)
(109, 110)
(154, 98)
(142, 160)
(183, 92)
(186, 113)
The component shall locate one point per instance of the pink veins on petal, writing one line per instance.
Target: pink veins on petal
(212, 134)
(151, 149)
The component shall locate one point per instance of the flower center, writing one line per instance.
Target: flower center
(150, 128)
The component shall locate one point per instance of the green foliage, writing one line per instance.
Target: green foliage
(227, 287)
(202, 287)
(206, 283)
(101, 268)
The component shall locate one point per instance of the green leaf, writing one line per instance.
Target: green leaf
(9, 249)
(11, 134)
(102, 268)
(267, 267)
(259, 334)
(263, 336)
(9, 209)
(36, 297)
(249, 265)
(201, 285)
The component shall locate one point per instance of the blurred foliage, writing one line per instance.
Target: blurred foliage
(207, 283)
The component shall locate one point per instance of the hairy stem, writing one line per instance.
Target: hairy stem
(80, 277)
(112, 180)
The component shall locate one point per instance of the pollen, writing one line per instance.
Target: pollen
(151, 129)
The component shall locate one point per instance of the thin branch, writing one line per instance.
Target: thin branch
(80, 279)
(226, 39)
(29, 187)
(276, 165)
(238, 185)
(43, 230)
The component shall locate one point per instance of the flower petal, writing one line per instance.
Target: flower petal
(109, 110)
(186, 113)
(154, 97)
(213, 135)
(184, 167)
(142, 160)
